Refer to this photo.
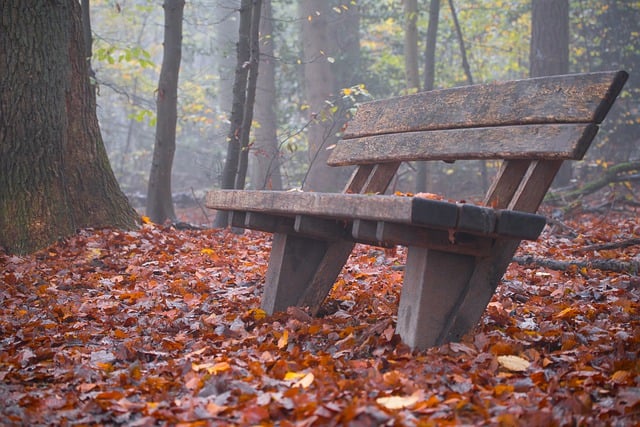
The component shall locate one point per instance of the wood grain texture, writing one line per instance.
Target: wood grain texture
(331, 205)
(317, 213)
(558, 141)
(580, 98)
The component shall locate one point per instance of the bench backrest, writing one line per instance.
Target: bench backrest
(533, 124)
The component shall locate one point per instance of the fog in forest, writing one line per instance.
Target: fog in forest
(315, 75)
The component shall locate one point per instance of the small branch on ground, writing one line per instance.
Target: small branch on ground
(630, 267)
(611, 245)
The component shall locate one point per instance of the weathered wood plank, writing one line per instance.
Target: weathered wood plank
(583, 98)
(519, 225)
(506, 183)
(389, 234)
(558, 141)
(332, 205)
(322, 228)
(268, 211)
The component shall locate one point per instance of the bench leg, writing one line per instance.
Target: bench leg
(483, 282)
(433, 283)
(444, 295)
(302, 271)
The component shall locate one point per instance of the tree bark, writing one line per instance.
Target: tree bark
(630, 267)
(331, 57)
(411, 45)
(54, 170)
(159, 201)
(230, 170)
(319, 87)
(423, 178)
(549, 51)
(252, 80)
(265, 154)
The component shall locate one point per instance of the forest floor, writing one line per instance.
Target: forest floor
(163, 326)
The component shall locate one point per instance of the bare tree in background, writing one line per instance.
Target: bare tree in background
(422, 175)
(265, 153)
(243, 97)
(331, 55)
(549, 52)
(159, 200)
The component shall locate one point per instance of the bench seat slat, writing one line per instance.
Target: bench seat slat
(584, 98)
(414, 211)
(560, 141)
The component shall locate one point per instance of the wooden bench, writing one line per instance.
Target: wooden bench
(457, 253)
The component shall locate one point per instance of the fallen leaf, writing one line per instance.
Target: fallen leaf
(513, 363)
(398, 402)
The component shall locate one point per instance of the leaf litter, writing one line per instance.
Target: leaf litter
(161, 326)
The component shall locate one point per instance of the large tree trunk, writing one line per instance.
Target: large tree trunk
(549, 51)
(159, 201)
(54, 170)
(265, 153)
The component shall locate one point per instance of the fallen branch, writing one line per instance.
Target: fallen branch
(611, 245)
(617, 173)
(630, 267)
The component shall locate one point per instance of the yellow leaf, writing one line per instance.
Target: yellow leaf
(207, 251)
(146, 219)
(284, 339)
(212, 368)
(257, 313)
(398, 402)
(513, 363)
(290, 376)
(567, 313)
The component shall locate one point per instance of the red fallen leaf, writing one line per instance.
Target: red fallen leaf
(254, 415)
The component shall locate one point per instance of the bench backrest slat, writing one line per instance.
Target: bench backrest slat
(583, 98)
(558, 141)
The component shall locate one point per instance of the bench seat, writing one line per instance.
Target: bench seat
(415, 211)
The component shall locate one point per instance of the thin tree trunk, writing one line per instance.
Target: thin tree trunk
(467, 71)
(411, 45)
(423, 181)
(265, 154)
(549, 52)
(252, 79)
(54, 170)
(159, 201)
(463, 50)
(230, 170)
(430, 45)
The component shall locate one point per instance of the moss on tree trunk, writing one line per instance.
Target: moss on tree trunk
(54, 172)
